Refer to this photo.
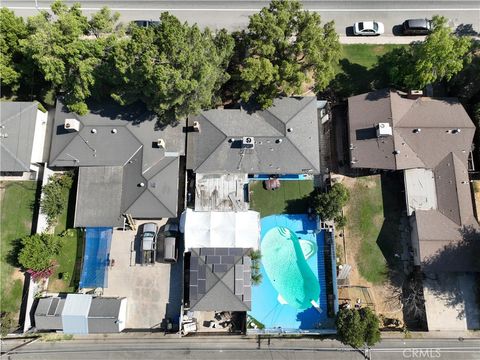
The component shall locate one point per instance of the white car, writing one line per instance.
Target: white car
(368, 28)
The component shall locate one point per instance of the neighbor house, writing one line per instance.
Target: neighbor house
(430, 140)
(126, 165)
(81, 314)
(23, 130)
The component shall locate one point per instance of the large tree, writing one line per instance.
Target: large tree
(441, 56)
(174, 68)
(12, 30)
(38, 251)
(288, 49)
(65, 52)
(357, 328)
(328, 205)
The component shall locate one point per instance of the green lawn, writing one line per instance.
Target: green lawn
(16, 221)
(290, 198)
(365, 220)
(357, 72)
(67, 273)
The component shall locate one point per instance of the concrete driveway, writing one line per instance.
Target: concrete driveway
(153, 292)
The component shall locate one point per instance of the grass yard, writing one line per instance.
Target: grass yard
(67, 273)
(357, 72)
(290, 198)
(17, 207)
(365, 220)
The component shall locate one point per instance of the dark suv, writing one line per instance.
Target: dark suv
(417, 27)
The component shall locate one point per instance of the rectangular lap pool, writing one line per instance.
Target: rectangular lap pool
(292, 295)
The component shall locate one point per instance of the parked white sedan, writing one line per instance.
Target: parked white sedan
(368, 28)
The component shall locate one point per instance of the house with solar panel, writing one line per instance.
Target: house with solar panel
(227, 148)
(430, 141)
(23, 135)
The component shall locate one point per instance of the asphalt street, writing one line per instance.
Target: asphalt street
(233, 14)
(132, 346)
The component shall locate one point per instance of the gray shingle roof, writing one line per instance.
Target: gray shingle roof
(123, 144)
(220, 279)
(17, 129)
(286, 139)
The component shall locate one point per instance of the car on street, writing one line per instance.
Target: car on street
(417, 27)
(368, 28)
(146, 23)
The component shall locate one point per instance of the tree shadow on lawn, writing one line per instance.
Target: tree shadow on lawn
(352, 80)
(297, 206)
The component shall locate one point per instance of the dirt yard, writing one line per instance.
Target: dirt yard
(372, 243)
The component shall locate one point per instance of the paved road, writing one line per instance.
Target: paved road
(148, 346)
(233, 14)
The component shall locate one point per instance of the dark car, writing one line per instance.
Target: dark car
(417, 27)
(146, 23)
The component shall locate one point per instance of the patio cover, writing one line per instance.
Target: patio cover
(220, 229)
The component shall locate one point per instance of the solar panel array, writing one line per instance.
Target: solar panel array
(208, 266)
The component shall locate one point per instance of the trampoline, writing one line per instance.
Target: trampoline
(96, 257)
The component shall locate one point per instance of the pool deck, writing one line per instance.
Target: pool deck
(265, 306)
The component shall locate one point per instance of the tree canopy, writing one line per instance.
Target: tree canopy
(174, 68)
(38, 251)
(357, 327)
(441, 56)
(328, 205)
(287, 48)
(12, 31)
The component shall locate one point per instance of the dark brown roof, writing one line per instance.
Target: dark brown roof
(427, 133)
(407, 148)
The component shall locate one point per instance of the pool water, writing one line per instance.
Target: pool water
(292, 294)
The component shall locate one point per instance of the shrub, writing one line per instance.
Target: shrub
(55, 196)
(358, 327)
(328, 205)
(38, 251)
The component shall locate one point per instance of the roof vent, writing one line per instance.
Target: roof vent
(290, 129)
(384, 129)
(278, 141)
(248, 142)
(415, 94)
(141, 184)
(196, 126)
(93, 131)
(72, 124)
(161, 144)
(417, 130)
(456, 131)
(114, 131)
(396, 152)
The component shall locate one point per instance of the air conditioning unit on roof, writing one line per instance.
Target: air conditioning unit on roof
(72, 124)
(248, 142)
(384, 129)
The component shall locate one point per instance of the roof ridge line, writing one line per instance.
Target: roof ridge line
(301, 109)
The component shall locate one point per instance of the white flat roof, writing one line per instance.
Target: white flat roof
(220, 229)
(420, 190)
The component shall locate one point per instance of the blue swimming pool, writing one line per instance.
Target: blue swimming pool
(292, 295)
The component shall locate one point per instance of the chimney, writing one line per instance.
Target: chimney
(414, 94)
(72, 124)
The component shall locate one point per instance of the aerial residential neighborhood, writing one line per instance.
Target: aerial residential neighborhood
(203, 180)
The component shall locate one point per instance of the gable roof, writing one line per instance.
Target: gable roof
(143, 178)
(17, 129)
(286, 139)
(220, 279)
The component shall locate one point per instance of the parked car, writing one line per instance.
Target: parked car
(417, 27)
(368, 28)
(146, 23)
(170, 251)
(149, 243)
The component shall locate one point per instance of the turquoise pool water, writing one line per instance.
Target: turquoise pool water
(292, 293)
